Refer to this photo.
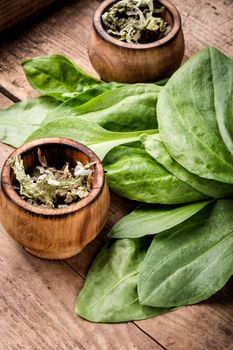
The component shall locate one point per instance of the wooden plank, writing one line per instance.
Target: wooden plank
(207, 23)
(13, 12)
(64, 31)
(4, 101)
(208, 325)
(37, 299)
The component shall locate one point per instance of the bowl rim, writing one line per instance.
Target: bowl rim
(97, 24)
(13, 196)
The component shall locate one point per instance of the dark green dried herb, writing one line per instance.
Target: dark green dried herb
(136, 21)
(49, 187)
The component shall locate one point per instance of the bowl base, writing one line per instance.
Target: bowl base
(51, 256)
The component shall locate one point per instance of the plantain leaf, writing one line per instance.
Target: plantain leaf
(222, 66)
(21, 119)
(120, 109)
(133, 174)
(149, 219)
(110, 291)
(101, 141)
(187, 116)
(158, 151)
(55, 75)
(74, 99)
(191, 261)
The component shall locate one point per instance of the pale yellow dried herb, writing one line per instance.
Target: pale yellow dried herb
(49, 187)
(136, 21)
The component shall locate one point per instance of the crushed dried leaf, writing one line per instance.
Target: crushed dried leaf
(49, 187)
(136, 21)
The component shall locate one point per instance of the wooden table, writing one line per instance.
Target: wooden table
(36, 296)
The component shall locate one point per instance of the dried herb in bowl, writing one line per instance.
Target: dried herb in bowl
(49, 187)
(136, 21)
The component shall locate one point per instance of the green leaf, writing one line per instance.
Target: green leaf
(110, 290)
(162, 82)
(74, 99)
(133, 174)
(149, 219)
(158, 151)
(222, 66)
(21, 119)
(55, 75)
(101, 141)
(190, 262)
(127, 108)
(187, 117)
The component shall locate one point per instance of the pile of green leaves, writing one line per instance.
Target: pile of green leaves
(75, 105)
(139, 274)
(192, 151)
(161, 144)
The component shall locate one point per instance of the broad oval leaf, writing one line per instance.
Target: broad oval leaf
(127, 108)
(223, 95)
(187, 118)
(74, 100)
(149, 219)
(101, 141)
(110, 291)
(21, 119)
(190, 262)
(133, 174)
(154, 146)
(55, 75)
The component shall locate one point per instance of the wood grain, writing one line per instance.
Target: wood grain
(63, 31)
(37, 308)
(13, 12)
(208, 325)
(115, 60)
(37, 297)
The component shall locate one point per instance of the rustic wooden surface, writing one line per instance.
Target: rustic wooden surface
(37, 296)
(16, 11)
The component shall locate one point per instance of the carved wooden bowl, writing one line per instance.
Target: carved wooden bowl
(115, 60)
(54, 233)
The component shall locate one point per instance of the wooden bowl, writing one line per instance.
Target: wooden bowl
(54, 233)
(115, 60)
